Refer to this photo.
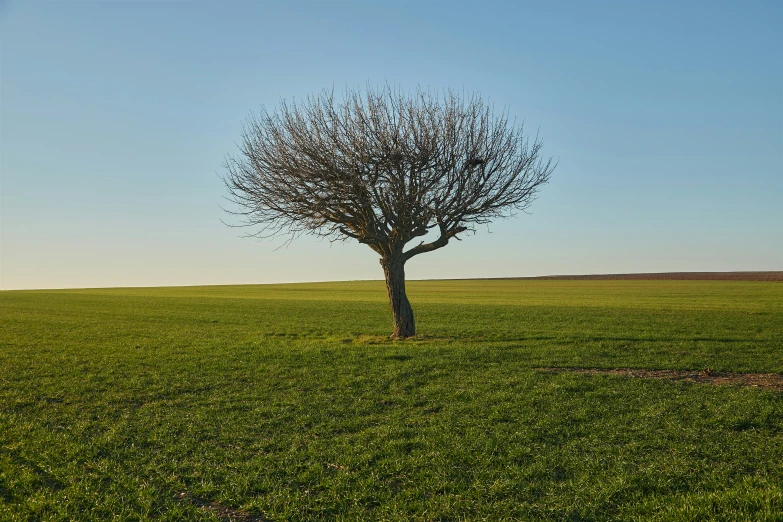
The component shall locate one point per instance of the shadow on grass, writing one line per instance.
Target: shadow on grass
(425, 339)
(45, 478)
(221, 511)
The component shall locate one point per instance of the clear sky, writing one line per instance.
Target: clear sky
(116, 116)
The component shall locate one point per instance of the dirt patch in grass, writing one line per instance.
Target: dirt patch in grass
(225, 513)
(771, 381)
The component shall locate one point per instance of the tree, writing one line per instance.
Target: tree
(383, 167)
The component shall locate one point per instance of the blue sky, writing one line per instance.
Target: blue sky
(115, 117)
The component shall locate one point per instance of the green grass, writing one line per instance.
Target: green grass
(288, 402)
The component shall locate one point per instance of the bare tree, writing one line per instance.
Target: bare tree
(383, 167)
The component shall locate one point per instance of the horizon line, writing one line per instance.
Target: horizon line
(771, 276)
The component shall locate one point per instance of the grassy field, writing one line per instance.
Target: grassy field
(289, 403)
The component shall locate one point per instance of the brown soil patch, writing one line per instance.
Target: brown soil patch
(226, 513)
(680, 276)
(770, 381)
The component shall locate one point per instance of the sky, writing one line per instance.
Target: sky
(666, 119)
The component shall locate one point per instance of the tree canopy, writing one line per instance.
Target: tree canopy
(383, 167)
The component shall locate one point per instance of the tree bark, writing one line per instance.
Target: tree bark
(394, 270)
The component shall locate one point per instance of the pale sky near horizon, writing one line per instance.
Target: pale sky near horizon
(115, 118)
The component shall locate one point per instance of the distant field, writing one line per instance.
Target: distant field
(672, 276)
(288, 402)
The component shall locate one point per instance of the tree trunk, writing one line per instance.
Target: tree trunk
(394, 270)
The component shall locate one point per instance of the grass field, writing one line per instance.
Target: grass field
(288, 402)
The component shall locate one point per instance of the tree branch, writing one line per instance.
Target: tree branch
(382, 167)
